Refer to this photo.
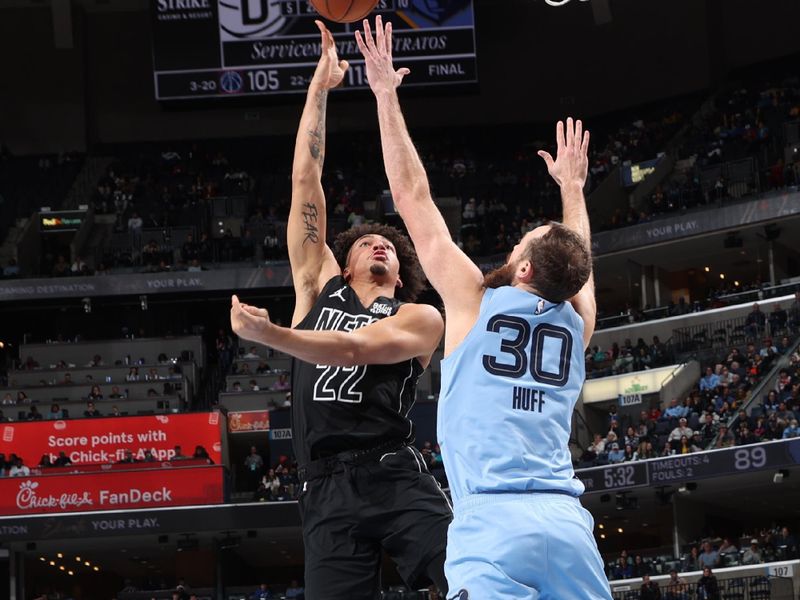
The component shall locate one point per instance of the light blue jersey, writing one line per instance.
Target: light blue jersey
(505, 411)
(508, 391)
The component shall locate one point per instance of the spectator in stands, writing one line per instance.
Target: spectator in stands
(681, 431)
(282, 383)
(777, 319)
(254, 465)
(745, 435)
(673, 411)
(785, 543)
(640, 567)
(60, 267)
(263, 368)
(135, 224)
(22, 398)
(646, 451)
(676, 587)
(691, 561)
(631, 438)
(791, 430)
(55, 412)
(200, 453)
(622, 570)
(615, 455)
(710, 381)
(45, 462)
(149, 457)
(295, 590)
(709, 557)
(755, 322)
(252, 352)
(63, 460)
(785, 345)
(262, 593)
(8, 399)
(34, 414)
(767, 349)
(237, 387)
(272, 484)
(97, 361)
(91, 410)
(115, 412)
(707, 586)
(95, 393)
(133, 374)
(727, 547)
(128, 458)
(649, 589)
(67, 379)
(629, 454)
(19, 469)
(177, 454)
(752, 556)
(116, 394)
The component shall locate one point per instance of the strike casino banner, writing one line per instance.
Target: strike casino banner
(111, 490)
(93, 441)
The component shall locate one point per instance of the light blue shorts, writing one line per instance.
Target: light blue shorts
(536, 546)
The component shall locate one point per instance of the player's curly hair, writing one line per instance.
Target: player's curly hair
(410, 270)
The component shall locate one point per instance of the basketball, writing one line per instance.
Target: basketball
(344, 11)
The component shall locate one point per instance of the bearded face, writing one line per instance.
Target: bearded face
(501, 276)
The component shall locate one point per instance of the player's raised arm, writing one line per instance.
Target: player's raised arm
(457, 279)
(569, 170)
(312, 262)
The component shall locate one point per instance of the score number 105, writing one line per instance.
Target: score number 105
(264, 81)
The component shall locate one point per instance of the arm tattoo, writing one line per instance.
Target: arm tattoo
(316, 145)
(310, 213)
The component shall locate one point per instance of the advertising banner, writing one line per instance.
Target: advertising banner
(248, 421)
(103, 441)
(112, 490)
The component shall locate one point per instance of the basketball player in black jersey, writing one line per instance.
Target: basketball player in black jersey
(359, 346)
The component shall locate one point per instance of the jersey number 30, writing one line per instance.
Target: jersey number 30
(520, 358)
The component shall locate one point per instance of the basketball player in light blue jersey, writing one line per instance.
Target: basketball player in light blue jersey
(511, 376)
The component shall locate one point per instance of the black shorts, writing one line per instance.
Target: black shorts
(351, 515)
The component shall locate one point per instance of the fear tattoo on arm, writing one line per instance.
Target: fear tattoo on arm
(310, 214)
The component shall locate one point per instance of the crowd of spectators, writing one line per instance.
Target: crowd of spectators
(626, 357)
(712, 414)
(746, 121)
(276, 484)
(15, 466)
(770, 544)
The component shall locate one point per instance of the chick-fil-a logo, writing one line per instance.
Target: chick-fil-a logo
(28, 499)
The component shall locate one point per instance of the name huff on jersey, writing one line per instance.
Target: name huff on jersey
(528, 399)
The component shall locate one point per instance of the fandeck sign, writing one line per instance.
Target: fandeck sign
(94, 441)
(111, 490)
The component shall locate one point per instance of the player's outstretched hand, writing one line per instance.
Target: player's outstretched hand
(572, 160)
(330, 70)
(377, 53)
(248, 322)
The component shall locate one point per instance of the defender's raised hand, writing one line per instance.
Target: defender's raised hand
(330, 70)
(571, 165)
(378, 57)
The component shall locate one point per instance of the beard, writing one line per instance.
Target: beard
(378, 269)
(499, 277)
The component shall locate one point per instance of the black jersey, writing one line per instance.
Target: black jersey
(345, 408)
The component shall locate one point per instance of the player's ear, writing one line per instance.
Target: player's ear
(399, 283)
(346, 274)
(525, 271)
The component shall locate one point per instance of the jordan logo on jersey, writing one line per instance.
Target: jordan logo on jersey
(339, 294)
